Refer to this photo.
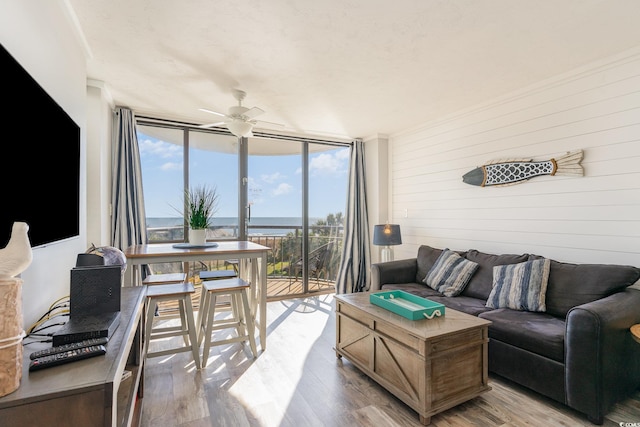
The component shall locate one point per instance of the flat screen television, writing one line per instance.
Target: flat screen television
(40, 172)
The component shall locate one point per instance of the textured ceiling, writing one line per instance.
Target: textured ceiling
(341, 67)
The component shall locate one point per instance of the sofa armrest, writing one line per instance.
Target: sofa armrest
(602, 361)
(399, 271)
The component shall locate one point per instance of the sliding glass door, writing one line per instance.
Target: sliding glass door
(213, 162)
(298, 189)
(175, 160)
(162, 162)
(327, 172)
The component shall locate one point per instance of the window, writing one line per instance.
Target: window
(174, 160)
(285, 193)
(162, 163)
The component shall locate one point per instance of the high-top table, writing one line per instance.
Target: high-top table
(252, 258)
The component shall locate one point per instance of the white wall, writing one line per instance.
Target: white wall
(376, 150)
(99, 131)
(39, 35)
(589, 219)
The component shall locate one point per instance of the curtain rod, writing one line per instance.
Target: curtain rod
(173, 124)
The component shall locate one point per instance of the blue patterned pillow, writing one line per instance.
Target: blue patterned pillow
(450, 273)
(520, 286)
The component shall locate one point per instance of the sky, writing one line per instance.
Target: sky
(275, 182)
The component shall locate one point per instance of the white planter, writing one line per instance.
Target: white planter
(198, 237)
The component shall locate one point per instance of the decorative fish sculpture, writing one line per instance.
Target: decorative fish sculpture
(515, 171)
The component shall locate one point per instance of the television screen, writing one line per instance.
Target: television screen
(40, 174)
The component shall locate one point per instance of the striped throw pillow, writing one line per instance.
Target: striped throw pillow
(520, 286)
(450, 273)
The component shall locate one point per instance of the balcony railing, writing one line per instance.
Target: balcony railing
(283, 260)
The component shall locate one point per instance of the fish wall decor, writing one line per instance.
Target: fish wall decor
(515, 171)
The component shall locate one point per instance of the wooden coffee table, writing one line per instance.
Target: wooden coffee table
(431, 364)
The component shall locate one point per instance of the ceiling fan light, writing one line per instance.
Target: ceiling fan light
(240, 128)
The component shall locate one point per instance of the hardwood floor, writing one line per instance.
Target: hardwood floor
(298, 381)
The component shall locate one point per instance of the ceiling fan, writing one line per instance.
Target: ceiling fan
(240, 120)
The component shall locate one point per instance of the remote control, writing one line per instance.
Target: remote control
(66, 357)
(66, 347)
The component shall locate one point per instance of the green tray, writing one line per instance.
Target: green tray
(407, 305)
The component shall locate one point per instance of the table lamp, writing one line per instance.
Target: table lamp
(387, 235)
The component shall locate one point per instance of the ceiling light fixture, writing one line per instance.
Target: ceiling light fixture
(240, 128)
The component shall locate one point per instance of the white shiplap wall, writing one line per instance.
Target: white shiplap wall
(589, 219)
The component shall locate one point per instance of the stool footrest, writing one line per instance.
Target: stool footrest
(168, 352)
(232, 340)
(168, 332)
(222, 324)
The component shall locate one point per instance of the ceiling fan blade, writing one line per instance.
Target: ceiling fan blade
(258, 122)
(212, 112)
(208, 125)
(253, 112)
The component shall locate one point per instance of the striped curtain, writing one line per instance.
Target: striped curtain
(128, 220)
(355, 264)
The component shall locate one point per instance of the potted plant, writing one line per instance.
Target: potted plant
(202, 204)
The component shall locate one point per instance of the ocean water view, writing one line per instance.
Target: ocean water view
(282, 234)
(258, 226)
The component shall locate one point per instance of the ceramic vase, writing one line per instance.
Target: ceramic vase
(197, 237)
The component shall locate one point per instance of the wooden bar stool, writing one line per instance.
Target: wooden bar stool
(241, 320)
(180, 292)
(232, 262)
(217, 274)
(164, 278)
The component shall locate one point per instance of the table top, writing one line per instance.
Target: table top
(156, 249)
(453, 321)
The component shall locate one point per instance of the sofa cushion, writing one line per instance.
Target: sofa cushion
(469, 305)
(427, 256)
(481, 283)
(539, 333)
(520, 286)
(571, 285)
(450, 274)
(418, 289)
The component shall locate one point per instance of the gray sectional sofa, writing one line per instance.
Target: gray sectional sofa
(577, 350)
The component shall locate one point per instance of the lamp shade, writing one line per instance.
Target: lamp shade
(387, 235)
(240, 128)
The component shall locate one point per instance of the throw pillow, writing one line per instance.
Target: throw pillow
(450, 273)
(520, 286)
